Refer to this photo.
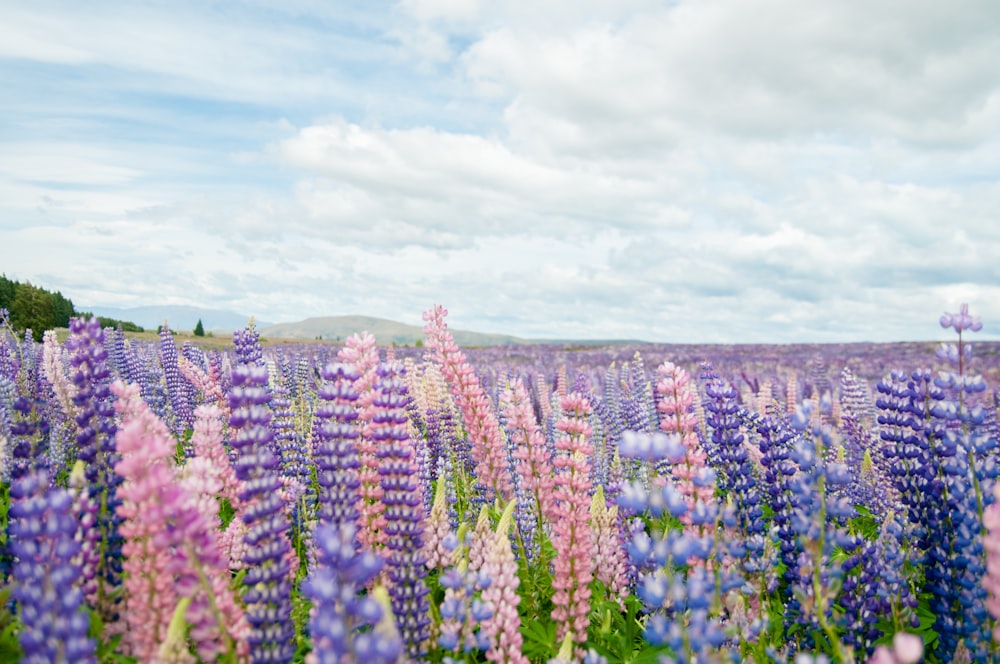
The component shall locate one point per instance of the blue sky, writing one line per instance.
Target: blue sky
(689, 171)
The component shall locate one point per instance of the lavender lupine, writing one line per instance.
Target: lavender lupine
(463, 611)
(335, 446)
(177, 388)
(267, 582)
(340, 622)
(46, 579)
(96, 428)
(404, 512)
(819, 521)
(732, 456)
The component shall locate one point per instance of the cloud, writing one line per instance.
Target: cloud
(719, 170)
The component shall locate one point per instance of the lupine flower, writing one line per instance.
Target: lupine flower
(504, 627)
(342, 613)
(171, 550)
(267, 583)
(463, 611)
(360, 352)
(571, 534)
(403, 511)
(46, 580)
(438, 529)
(96, 448)
(610, 559)
(206, 442)
(177, 387)
(55, 372)
(335, 445)
(480, 420)
(534, 464)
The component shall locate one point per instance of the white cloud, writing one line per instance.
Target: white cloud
(719, 170)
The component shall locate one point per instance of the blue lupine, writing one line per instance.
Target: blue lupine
(335, 449)
(343, 614)
(404, 512)
(96, 449)
(182, 416)
(46, 580)
(267, 583)
(731, 456)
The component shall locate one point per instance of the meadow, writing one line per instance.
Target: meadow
(163, 501)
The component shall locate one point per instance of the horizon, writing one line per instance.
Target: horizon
(728, 172)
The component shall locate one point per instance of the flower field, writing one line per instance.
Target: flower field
(352, 503)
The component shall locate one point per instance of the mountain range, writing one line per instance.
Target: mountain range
(329, 328)
(178, 317)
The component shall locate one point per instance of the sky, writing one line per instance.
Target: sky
(722, 171)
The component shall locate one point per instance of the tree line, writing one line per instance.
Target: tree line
(37, 309)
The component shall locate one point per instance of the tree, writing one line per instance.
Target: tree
(199, 331)
(6, 292)
(32, 308)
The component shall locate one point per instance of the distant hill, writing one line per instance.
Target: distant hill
(180, 318)
(338, 328)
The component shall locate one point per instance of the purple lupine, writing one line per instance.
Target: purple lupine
(731, 456)
(335, 447)
(95, 420)
(342, 613)
(267, 583)
(404, 512)
(46, 580)
(177, 387)
(819, 521)
(287, 442)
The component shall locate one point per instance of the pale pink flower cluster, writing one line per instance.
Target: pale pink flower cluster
(361, 353)
(55, 373)
(571, 533)
(477, 413)
(206, 441)
(678, 417)
(437, 529)
(206, 383)
(991, 543)
(171, 550)
(504, 626)
(610, 558)
(534, 466)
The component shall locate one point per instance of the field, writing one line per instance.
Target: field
(231, 500)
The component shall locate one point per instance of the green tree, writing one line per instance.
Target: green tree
(32, 308)
(62, 310)
(7, 288)
(199, 331)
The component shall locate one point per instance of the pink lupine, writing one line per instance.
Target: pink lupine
(676, 404)
(206, 441)
(438, 528)
(610, 558)
(991, 543)
(479, 540)
(149, 495)
(534, 464)
(488, 450)
(55, 373)
(171, 548)
(206, 383)
(504, 627)
(571, 534)
(361, 353)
